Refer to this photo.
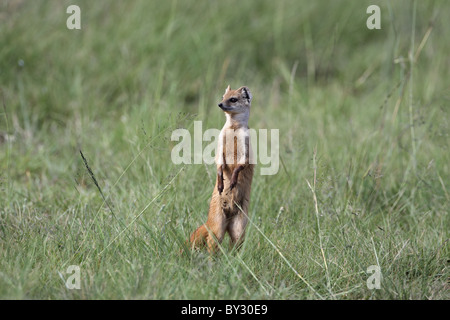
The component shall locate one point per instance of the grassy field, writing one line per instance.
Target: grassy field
(363, 117)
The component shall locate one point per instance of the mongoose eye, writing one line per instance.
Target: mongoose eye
(233, 100)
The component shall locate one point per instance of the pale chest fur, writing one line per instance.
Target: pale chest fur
(234, 147)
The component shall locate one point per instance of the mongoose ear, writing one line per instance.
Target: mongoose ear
(227, 89)
(246, 93)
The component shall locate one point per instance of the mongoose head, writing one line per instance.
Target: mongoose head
(236, 101)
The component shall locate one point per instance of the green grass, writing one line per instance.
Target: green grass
(362, 123)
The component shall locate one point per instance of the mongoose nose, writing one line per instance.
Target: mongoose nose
(220, 105)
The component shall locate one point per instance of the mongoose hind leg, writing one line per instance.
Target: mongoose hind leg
(210, 234)
(236, 230)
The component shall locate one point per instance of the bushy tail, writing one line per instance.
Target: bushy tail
(199, 237)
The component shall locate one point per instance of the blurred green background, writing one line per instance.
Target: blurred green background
(372, 103)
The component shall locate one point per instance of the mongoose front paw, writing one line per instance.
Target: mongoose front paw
(233, 184)
(220, 179)
(220, 186)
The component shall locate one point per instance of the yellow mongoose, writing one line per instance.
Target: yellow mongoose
(228, 208)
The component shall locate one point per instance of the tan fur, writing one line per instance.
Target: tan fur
(234, 176)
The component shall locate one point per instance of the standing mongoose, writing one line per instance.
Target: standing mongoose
(228, 208)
